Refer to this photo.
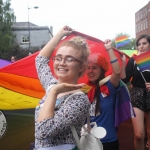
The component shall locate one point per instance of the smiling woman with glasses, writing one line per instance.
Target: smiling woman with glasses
(54, 117)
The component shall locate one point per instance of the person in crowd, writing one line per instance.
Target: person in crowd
(140, 94)
(29, 54)
(102, 98)
(13, 59)
(53, 117)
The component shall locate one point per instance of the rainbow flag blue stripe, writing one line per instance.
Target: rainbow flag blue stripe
(123, 43)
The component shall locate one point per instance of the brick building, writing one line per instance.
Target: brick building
(142, 20)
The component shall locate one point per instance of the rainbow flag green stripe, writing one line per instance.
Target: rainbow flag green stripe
(144, 66)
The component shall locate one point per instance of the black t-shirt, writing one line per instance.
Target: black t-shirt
(133, 74)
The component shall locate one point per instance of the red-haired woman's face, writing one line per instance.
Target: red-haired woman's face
(143, 45)
(93, 72)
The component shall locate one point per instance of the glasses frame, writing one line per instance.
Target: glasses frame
(74, 59)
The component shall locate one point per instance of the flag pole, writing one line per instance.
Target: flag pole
(141, 74)
(143, 77)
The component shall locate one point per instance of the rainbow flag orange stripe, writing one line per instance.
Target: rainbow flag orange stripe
(121, 38)
(143, 61)
(122, 41)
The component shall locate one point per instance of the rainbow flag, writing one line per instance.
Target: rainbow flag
(20, 87)
(122, 41)
(143, 61)
(123, 106)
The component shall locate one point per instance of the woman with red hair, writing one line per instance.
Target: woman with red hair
(102, 97)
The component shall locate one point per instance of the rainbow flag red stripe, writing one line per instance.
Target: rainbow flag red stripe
(143, 61)
(122, 41)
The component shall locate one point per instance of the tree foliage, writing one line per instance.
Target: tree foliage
(7, 18)
(130, 46)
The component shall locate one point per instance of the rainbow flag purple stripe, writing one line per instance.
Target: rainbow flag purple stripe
(123, 107)
(4, 63)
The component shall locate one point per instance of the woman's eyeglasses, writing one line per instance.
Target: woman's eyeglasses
(67, 59)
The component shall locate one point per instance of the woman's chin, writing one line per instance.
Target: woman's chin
(62, 76)
(92, 81)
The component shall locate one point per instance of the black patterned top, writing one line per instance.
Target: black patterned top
(56, 130)
(134, 73)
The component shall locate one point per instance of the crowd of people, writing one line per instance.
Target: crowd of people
(54, 117)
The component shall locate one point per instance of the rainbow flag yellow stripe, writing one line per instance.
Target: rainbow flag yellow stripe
(121, 39)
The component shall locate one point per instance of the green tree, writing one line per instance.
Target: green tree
(7, 18)
(130, 46)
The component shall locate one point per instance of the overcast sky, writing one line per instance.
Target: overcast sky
(98, 18)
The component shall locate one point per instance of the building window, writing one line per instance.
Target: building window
(146, 24)
(25, 39)
(135, 19)
(141, 15)
(139, 28)
(143, 25)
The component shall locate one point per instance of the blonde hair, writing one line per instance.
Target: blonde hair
(80, 44)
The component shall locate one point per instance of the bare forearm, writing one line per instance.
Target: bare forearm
(123, 73)
(47, 110)
(50, 46)
(115, 65)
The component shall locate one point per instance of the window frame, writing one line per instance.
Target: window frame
(25, 39)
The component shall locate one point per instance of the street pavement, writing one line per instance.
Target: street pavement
(125, 136)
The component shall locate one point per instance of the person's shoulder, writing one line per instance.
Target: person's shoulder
(111, 86)
(108, 83)
(80, 96)
(40, 58)
(131, 59)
